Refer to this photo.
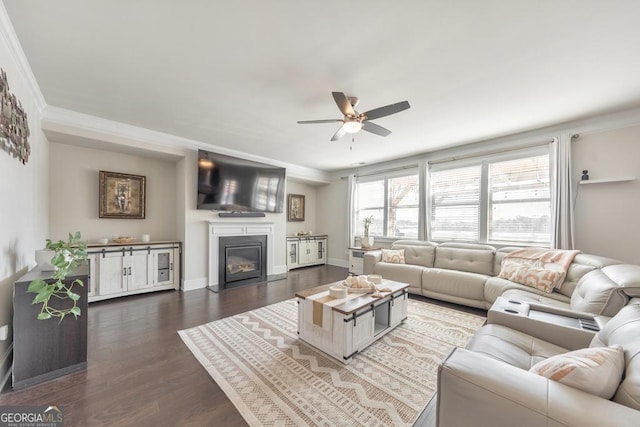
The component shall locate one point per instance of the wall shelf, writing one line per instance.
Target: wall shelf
(604, 181)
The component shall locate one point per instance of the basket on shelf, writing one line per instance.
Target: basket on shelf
(124, 239)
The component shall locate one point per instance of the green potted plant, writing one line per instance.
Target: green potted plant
(367, 241)
(67, 256)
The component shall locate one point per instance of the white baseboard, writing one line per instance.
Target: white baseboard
(338, 262)
(279, 269)
(5, 367)
(193, 284)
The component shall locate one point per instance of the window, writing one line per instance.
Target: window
(392, 200)
(500, 199)
(455, 204)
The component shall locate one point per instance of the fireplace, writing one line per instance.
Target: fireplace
(234, 229)
(242, 260)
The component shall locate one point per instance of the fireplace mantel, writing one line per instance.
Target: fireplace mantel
(218, 229)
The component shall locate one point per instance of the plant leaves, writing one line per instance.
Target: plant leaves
(42, 296)
(75, 310)
(44, 316)
(73, 296)
(36, 285)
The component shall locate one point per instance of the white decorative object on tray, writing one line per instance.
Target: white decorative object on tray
(353, 290)
(375, 278)
(338, 292)
(358, 284)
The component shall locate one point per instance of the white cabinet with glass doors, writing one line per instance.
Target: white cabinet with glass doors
(305, 251)
(118, 270)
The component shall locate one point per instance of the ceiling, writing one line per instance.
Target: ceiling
(240, 74)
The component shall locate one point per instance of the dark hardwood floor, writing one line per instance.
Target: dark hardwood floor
(139, 371)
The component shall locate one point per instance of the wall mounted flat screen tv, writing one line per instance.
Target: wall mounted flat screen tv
(228, 183)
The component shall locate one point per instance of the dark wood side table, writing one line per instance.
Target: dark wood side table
(47, 349)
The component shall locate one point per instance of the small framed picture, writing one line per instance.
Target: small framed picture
(122, 195)
(295, 207)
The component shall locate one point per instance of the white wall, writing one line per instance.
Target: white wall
(608, 215)
(24, 197)
(332, 219)
(310, 193)
(74, 193)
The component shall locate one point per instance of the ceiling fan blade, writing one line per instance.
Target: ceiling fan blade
(306, 122)
(343, 103)
(387, 110)
(374, 128)
(339, 134)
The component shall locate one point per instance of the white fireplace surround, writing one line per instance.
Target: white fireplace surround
(219, 229)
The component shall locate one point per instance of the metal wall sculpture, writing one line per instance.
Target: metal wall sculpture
(14, 128)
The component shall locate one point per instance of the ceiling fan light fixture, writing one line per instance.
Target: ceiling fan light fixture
(352, 126)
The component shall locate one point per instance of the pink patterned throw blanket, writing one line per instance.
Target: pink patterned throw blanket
(540, 268)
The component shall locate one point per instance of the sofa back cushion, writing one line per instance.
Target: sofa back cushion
(607, 290)
(624, 329)
(470, 257)
(499, 256)
(583, 264)
(417, 252)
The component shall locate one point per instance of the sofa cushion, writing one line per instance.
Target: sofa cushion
(495, 287)
(536, 277)
(596, 370)
(395, 256)
(417, 252)
(583, 264)
(607, 290)
(405, 273)
(452, 282)
(624, 329)
(511, 346)
(465, 257)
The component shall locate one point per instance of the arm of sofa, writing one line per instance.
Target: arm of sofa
(370, 260)
(474, 389)
(561, 327)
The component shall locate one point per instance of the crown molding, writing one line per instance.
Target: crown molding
(10, 39)
(64, 125)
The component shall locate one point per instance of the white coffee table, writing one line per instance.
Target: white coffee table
(343, 327)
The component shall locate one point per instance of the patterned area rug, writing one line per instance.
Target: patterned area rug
(273, 378)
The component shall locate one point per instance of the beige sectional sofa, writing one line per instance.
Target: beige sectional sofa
(495, 381)
(467, 274)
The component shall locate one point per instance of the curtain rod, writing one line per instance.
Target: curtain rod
(384, 171)
(488, 153)
(463, 157)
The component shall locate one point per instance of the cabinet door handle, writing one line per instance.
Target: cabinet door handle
(171, 267)
(129, 271)
(124, 271)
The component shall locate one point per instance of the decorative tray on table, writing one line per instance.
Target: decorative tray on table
(358, 285)
(124, 239)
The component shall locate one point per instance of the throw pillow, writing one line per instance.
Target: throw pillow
(595, 370)
(528, 275)
(395, 256)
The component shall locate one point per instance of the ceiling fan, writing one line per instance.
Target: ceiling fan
(354, 121)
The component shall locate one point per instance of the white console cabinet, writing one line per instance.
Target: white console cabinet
(307, 250)
(127, 269)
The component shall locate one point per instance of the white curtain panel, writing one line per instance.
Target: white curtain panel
(351, 185)
(562, 236)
